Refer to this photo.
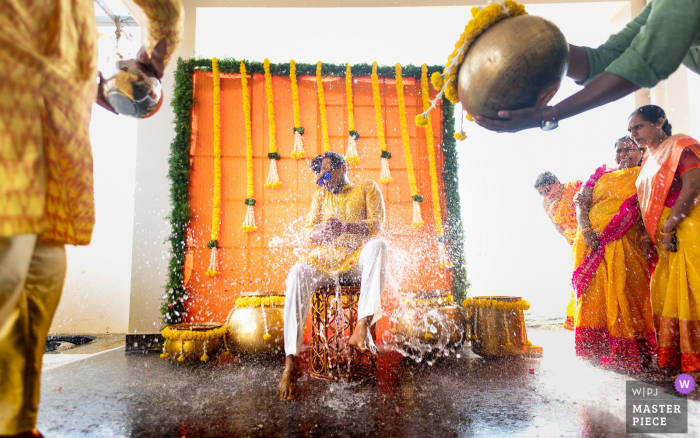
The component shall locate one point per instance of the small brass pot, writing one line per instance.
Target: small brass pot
(245, 327)
(192, 351)
(497, 332)
(431, 323)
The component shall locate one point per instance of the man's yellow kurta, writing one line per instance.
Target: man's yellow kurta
(48, 63)
(355, 203)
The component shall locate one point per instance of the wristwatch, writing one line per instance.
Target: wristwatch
(549, 122)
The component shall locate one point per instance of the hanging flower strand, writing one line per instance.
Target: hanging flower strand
(249, 222)
(273, 179)
(443, 259)
(351, 155)
(298, 151)
(385, 175)
(322, 108)
(417, 199)
(482, 19)
(213, 244)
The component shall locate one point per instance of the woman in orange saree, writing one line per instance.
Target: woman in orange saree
(668, 189)
(558, 203)
(612, 268)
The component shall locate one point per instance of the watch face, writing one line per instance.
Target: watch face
(549, 125)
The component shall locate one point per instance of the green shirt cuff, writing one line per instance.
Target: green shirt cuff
(632, 66)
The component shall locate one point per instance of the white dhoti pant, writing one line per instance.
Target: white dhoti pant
(303, 280)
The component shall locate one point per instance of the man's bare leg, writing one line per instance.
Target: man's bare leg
(287, 388)
(358, 338)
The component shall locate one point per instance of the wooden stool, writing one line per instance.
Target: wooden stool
(332, 359)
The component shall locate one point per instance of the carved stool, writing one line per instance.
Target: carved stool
(332, 323)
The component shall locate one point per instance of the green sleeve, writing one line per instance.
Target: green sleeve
(652, 46)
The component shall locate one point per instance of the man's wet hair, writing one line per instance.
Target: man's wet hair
(545, 179)
(337, 161)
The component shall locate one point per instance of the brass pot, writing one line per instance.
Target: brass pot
(245, 327)
(431, 323)
(517, 63)
(497, 332)
(193, 351)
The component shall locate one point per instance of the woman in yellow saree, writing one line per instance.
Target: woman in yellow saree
(613, 319)
(668, 189)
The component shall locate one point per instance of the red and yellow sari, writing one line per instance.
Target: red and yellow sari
(613, 313)
(675, 285)
(562, 213)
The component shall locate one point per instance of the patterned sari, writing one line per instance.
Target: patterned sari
(613, 313)
(675, 285)
(562, 213)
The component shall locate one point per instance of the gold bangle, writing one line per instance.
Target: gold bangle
(586, 229)
(669, 233)
(646, 237)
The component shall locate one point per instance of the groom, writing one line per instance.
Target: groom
(341, 223)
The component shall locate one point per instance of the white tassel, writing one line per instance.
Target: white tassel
(273, 179)
(385, 175)
(298, 152)
(351, 155)
(443, 260)
(417, 219)
(249, 222)
(213, 270)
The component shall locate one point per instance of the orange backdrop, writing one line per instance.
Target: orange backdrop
(261, 260)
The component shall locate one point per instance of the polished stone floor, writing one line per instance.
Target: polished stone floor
(113, 395)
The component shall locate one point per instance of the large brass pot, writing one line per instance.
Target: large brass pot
(429, 324)
(245, 326)
(497, 332)
(517, 63)
(181, 348)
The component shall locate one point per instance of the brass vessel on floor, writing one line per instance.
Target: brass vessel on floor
(246, 333)
(519, 62)
(192, 351)
(430, 318)
(497, 332)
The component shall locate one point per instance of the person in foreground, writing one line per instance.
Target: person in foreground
(668, 189)
(48, 67)
(664, 35)
(558, 202)
(612, 256)
(341, 224)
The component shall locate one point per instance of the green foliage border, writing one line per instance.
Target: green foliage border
(173, 303)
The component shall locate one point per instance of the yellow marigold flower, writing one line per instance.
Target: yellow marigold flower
(460, 136)
(267, 336)
(437, 81)
(422, 121)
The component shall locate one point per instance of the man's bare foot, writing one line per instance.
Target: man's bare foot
(287, 388)
(358, 338)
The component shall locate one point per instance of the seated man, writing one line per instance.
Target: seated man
(340, 224)
(559, 204)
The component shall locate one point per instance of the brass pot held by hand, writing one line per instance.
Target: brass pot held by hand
(245, 328)
(497, 332)
(517, 63)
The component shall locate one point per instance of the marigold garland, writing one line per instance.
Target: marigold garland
(194, 335)
(273, 301)
(322, 108)
(417, 199)
(273, 179)
(385, 175)
(483, 18)
(351, 155)
(249, 221)
(443, 259)
(429, 302)
(213, 244)
(298, 151)
(496, 304)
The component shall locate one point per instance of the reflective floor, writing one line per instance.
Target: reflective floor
(113, 395)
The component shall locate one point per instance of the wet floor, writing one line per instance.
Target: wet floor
(113, 395)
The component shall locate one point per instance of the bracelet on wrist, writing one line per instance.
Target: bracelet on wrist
(645, 237)
(670, 233)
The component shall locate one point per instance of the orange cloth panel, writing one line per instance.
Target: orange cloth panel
(261, 260)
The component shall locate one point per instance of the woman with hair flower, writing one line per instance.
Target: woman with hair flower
(668, 189)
